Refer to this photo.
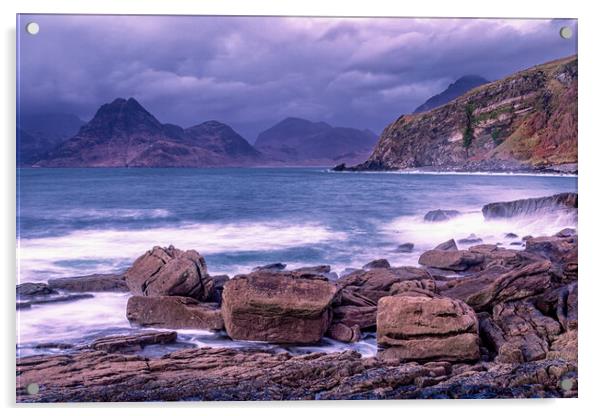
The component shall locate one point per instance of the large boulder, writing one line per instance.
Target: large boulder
(175, 312)
(170, 272)
(280, 307)
(565, 202)
(458, 260)
(424, 328)
(561, 251)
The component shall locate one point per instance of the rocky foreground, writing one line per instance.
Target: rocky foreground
(485, 322)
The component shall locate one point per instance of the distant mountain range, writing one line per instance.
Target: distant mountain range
(299, 141)
(453, 91)
(124, 134)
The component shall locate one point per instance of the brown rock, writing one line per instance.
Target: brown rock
(344, 333)
(349, 315)
(175, 312)
(459, 260)
(564, 346)
(422, 328)
(170, 272)
(277, 307)
(90, 283)
(133, 343)
(449, 245)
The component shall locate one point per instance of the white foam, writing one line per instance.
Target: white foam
(108, 249)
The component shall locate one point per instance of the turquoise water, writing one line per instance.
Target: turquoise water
(82, 221)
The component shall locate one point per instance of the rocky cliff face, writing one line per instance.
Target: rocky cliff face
(124, 134)
(524, 122)
(461, 86)
(295, 140)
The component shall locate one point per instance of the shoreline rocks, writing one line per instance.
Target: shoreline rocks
(441, 215)
(174, 312)
(90, 283)
(564, 202)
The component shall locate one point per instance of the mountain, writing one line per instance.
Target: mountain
(454, 90)
(125, 134)
(299, 141)
(527, 121)
(39, 133)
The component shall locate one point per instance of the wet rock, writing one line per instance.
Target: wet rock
(511, 235)
(441, 215)
(420, 328)
(90, 283)
(340, 167)
(53, 299)
(272, 267)
(405, 248)
(133, 343)
(344, 333)
(424, 287)
(28, 290)
(226, 374)
(319, 270)
(566, 232)
(54, 346)
(278, 307)
(519, 332)
(471, 239)
(218, 287)
(566, 202)
(526, 237)
(175, 312)
(449, 245)
(561, 251)
(459, 261)
(170, 272)
(377, 264)
(516, 243)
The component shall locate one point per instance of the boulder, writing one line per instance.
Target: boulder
(280, 307)
(170, 272)
(566, 202)
(518, 332)
(459, 261)
(471, 239)
(405, 248)
(561, 251)
(449, 245)
(441, 215)
(90, 283)
(362, 316)
(566, 232)
(377, 264)
(422, 328)
(564, 346)
(511, 235)
(272, 267)
(344, 333)
(175, 312)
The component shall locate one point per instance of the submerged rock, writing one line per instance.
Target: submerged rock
(280, 307)
(133, 343)
(565, 202)
(175, 312)
(29, 289)
(422, 328)
(272, 267)
(471, 239)
(40, 300)
(91, 283)
(441, 215)
(405, 248)
(170, 272)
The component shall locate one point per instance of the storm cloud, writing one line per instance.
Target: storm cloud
(251, 72)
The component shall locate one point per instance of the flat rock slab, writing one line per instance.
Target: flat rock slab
(90, 283)
(53, 299)
(420, 328)
(176, 312)
(134, 342)
(280, 307)
(559, 202)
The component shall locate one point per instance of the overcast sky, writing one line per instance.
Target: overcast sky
(251, 72)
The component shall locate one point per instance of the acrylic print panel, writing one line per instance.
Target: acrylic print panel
(282, 208)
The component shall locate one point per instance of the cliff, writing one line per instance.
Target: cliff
(527, 121)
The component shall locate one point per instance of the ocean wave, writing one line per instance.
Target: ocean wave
(104, 250)
(86, 214)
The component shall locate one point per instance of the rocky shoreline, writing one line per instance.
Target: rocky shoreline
(481, 322)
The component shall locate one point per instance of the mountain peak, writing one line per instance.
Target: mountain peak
(457, 88)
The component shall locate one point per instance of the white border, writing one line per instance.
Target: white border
(590, 153)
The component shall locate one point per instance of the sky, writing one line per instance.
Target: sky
(251, 72)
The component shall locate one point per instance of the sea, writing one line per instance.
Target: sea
(73, 222)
